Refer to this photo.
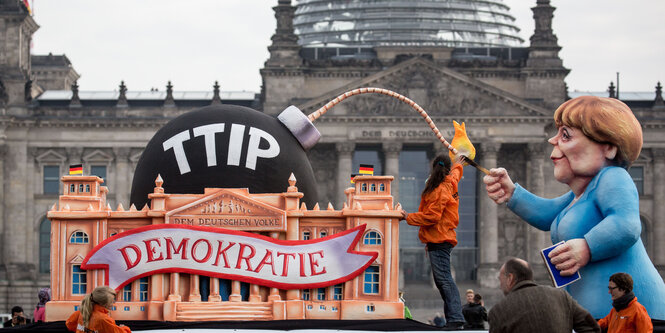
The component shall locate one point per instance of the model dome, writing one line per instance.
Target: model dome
(454, 23)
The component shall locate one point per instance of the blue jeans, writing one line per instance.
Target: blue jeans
(439, 257)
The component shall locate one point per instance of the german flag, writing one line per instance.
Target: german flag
(366, 169)
(353, 175)
(76, 169)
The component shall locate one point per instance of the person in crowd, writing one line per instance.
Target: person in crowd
(528, 307)
(407, 312)
(474, 311)
(94, 314)
(627, 315)
(18, 318)
(44, 296)
(597, 139)
(438, 218)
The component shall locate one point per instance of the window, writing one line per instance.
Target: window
(322, 307)
(382, 187)
(323, 234)
(79, 280)
(51, 179)
(338, 291)
(143, 289)
(127, 293)
(72, 188)
(80, 188)
(309, 306)
(370, 308)
(305, 295)
(99, 171)
(637, 174)
(333, 309)
(363, 187)
(306, 235)
(45, 246)
(372, 238)
(321, 294)
(372, 188)
(126, 308)
(371, 280)
(79, 237)
(87, 188)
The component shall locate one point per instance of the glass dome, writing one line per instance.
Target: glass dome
(367, 23)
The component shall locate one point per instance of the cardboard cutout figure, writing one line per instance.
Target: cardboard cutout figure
(599, 219)
(225, 146)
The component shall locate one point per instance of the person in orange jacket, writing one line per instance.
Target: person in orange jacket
(627, 315)
(93, 316)
(437, 217)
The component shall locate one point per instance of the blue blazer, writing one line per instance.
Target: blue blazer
(607, 216)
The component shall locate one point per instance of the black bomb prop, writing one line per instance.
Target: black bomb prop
(228, 146)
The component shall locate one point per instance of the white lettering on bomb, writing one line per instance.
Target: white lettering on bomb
(236, 139)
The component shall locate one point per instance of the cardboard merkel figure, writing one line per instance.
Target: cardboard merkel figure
(597, 140)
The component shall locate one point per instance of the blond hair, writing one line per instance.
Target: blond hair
(103, 296)
(604, 120)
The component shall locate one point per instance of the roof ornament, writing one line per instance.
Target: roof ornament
(75, 101)
(122, 98)
(169, 101)
(658, 102)
(216, 100)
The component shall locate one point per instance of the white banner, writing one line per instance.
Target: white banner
(229, 254)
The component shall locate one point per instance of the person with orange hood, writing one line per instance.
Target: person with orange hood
(94, 314)
(438, 217)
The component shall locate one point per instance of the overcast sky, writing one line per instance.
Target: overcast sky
(193, 43)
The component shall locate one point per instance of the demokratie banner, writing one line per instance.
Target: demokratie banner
(229, 254)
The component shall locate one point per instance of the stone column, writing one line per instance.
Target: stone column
(122, 183)
(15, 209)
(254, 293)
(488, 232)
(344, 169)
(274, 292)
(659, 208)
(391, 152)
(535, 181)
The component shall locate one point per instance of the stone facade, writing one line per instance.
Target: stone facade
(505, 96)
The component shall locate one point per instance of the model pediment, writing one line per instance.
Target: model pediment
(440, 91)
(228, 209)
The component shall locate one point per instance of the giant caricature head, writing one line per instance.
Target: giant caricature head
(604, 120)
(226, 146)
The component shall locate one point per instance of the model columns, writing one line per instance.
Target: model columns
(658, 222)
(391, 152)
(344, 168)
(489, 223)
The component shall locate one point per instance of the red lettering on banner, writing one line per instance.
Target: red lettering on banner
(285, 265)
(151, 250)
(126, 257)
(246, 259)
(208, 253)
(302, 264)
(181, 247)
(264, 261)
(221, 252)
(314, 263)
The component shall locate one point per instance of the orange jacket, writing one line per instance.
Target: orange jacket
(100, 322)
(438, 214)
(634, 318)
